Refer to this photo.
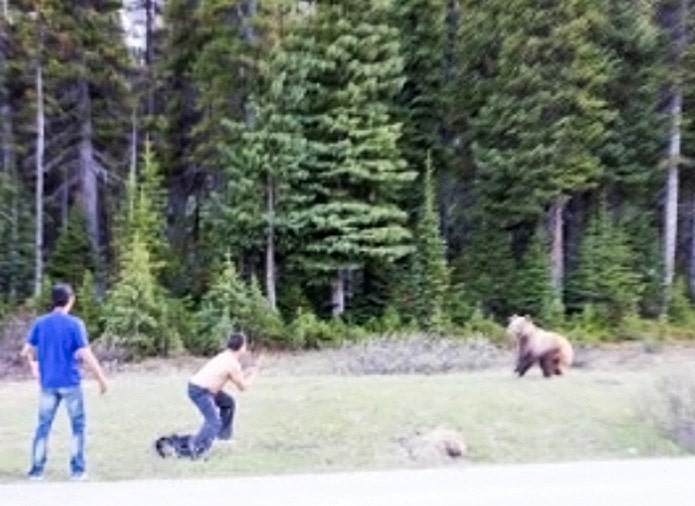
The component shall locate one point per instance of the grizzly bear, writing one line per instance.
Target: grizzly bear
(534, 345)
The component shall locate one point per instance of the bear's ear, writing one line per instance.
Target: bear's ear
(527, 318)
(512, 318)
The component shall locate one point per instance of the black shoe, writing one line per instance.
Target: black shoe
(164, 447)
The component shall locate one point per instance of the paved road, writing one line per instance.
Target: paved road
(622, 483)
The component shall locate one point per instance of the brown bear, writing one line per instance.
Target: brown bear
(534, 345)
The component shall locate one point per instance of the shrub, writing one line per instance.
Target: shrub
(481, 325)
(308, 331)
(418, 354)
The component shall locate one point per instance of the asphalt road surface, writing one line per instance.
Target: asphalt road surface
(658, 482)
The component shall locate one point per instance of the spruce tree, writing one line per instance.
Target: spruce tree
(134, 307)
(15, 240)
(225, 307)
(532, 291)
(633, 143)
(88, 306)
(72, 254)
(544, 113)
(87, 111)
(264, 324)
(354, 164)
(605, 277)
(431, 269)
(486, 267)
(144, 207)
(422, 101)
(254, 210)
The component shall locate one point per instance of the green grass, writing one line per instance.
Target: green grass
(288, 423)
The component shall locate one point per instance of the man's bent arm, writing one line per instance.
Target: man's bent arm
(243, 379)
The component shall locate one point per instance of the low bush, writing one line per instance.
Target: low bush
(418, 354)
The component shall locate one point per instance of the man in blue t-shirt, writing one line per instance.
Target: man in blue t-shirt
(56, 343)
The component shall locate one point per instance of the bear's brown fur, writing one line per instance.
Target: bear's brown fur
(534, 345)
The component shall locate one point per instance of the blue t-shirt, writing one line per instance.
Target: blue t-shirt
(57, 337)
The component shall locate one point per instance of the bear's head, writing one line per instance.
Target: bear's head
(519, 327)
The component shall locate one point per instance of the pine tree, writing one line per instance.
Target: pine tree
(264, 324)
(141, 256)
(632, 146)
(486, 267)
(15, 241)
(88, 306)
(532, 291)
(542, 111)
(224, 72)
(72, 254)
(254, 209)
(225, 307)
(87, 110)
(354, 164)
(424, 96)
(605, 278)
(143, 209)
(431, 269)
(135, 305)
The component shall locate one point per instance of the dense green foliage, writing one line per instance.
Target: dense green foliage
(309, 172)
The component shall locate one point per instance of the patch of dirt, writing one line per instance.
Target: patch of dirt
(433, 447)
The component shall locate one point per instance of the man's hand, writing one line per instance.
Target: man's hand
(87, 356)
(34, 367)
(29, 356)
(103, 385)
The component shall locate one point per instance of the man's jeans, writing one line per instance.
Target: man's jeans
(49, 400)
(218, 414)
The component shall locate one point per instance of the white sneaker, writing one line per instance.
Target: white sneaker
(79, 477)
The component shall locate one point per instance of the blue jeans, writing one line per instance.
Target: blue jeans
(49, 400)
(218, 414)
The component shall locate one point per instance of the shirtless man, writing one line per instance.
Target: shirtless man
(205, 391)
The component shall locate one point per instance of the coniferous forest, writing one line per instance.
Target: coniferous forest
(313, 172)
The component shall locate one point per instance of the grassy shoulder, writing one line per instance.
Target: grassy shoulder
(299, 423)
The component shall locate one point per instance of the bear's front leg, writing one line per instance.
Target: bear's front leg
(524, 363)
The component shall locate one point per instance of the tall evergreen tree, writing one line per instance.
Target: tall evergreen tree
(606, 278)
(430, 265)
(226, 306)
(87, 113)
(143, 209)
(423, 98)
(72, 254)
(631, 150)
(135, 312)
(174, 139)
(540, 114)
(354, 166)
(673, 15)
(254, 209)
(532, 291)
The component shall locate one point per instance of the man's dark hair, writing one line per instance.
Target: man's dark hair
(235, 341)
(61, 294)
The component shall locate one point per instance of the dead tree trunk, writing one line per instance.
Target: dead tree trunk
(557, 244)
(270, 288)
(677, 29)
(40, 149)
(338, 294)
(88, 170)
